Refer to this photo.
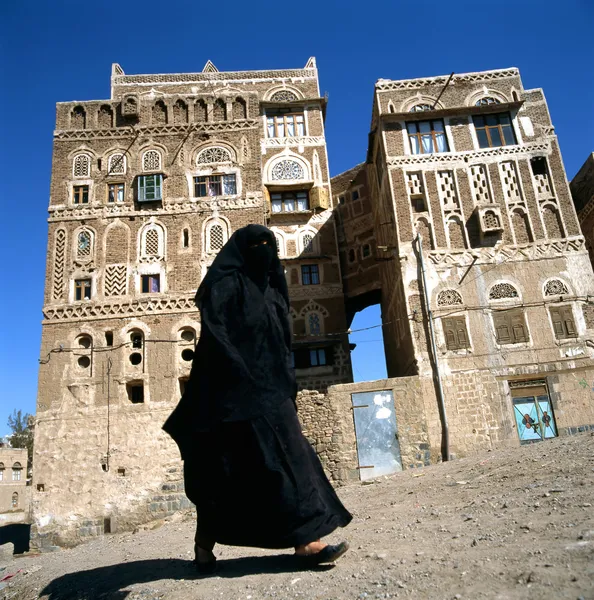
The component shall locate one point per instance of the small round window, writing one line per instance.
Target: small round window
(135, 358)
(84, 341)
(84, 362)
(187, 335)
(187, 354)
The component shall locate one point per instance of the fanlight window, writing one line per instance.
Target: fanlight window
(283, 96)
(82, 166)
(151, 161)
(487, 100)
(287, 169)
(421, 108)
(116, 164)
(84, 245)
(502, 291)
(213, 155)
(555, 287)
(449, 298)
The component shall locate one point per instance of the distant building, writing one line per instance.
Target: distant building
(14, 492)
(582, 190)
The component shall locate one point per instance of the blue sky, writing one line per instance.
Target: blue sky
(61, 51)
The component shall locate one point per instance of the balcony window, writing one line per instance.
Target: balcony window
(427, 137)
(285, 122)
(289, 201)
(150, 188)
(215, 185)
(494, 130)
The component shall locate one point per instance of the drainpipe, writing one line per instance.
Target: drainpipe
(445, 442)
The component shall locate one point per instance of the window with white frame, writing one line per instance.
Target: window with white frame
(151, 160)
(287, 169)
(307, 243)
(16, 471)
(116, 164)
(215, 185)
(81, 166)
(285, 122)
(427, 137)
(152, 242)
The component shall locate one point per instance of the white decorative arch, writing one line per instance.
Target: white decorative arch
(152, 242)
(485, 92)
(116, 164)
(276, 92)
(214, 155)
(281, 242)
(216, 232)
(307, 241)
(81, 166)
(504, 290)
(152, 160)
(288, 168)
(313, 306)
(555, 286)
(418, 100)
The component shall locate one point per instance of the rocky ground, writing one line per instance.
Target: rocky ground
(507, 524)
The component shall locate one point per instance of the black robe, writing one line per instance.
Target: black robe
(253, 476)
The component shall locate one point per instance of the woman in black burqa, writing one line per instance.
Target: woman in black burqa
(252, 475)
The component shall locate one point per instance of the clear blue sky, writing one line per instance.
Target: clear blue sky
(61, 51)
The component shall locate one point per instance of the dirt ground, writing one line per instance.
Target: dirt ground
(513, 523)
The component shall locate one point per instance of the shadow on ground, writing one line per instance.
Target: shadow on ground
(111, 582)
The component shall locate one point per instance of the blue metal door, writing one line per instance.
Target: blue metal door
(376, 430)
(534, 418)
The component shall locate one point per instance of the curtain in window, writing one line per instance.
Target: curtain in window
(290, 126)
(270, 121)
(277, 206)
(414, 144)
(229, 185)
(289, 204)
(300, 125)
(442, 145)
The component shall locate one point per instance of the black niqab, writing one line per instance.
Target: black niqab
(241, 367)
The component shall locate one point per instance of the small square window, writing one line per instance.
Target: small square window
(82, 289)
(151, 284)
(80, 194)
(310, 274)
(341, 199)
(317, 358)
(427, 137)
(366, 250)
(355, 195)
(115, 192)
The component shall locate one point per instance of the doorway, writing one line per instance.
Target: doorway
(376, 431)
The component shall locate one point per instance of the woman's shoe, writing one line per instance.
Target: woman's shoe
(206, 567)
(329, 554)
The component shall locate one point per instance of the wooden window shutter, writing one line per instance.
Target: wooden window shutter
(519, 327)
(502, 328)
(557, 321)
(461, 330)
(266, 194)
(568, 321)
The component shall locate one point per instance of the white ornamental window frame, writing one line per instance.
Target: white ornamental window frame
(161, 241)
(207, 170)
(306, 170)
(212, 150)
(313, 244)
(209, 225)
(91, 234)
(87, 172)
(144, 159)
(112, 159)
(509, 299)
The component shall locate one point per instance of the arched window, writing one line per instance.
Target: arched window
(84, 341)
(185, 237)
(280, 246)
(215, 237)
(219, 110)
(116, 164)
(159, 113)
(287, 169)
(239, 109)
(180, 112)
(78, 118)
(15, 500)
(307, 243)
(421, 108)
(16, 471)
(503, 291)
(105, 117)
(555, 287)
(136, 338)
(81, 166)
(449, 298)
(487, 100)
(84, 245)
(215, 154)
(283, 96)
(152, 242)
(314, 323)
(151, 160)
